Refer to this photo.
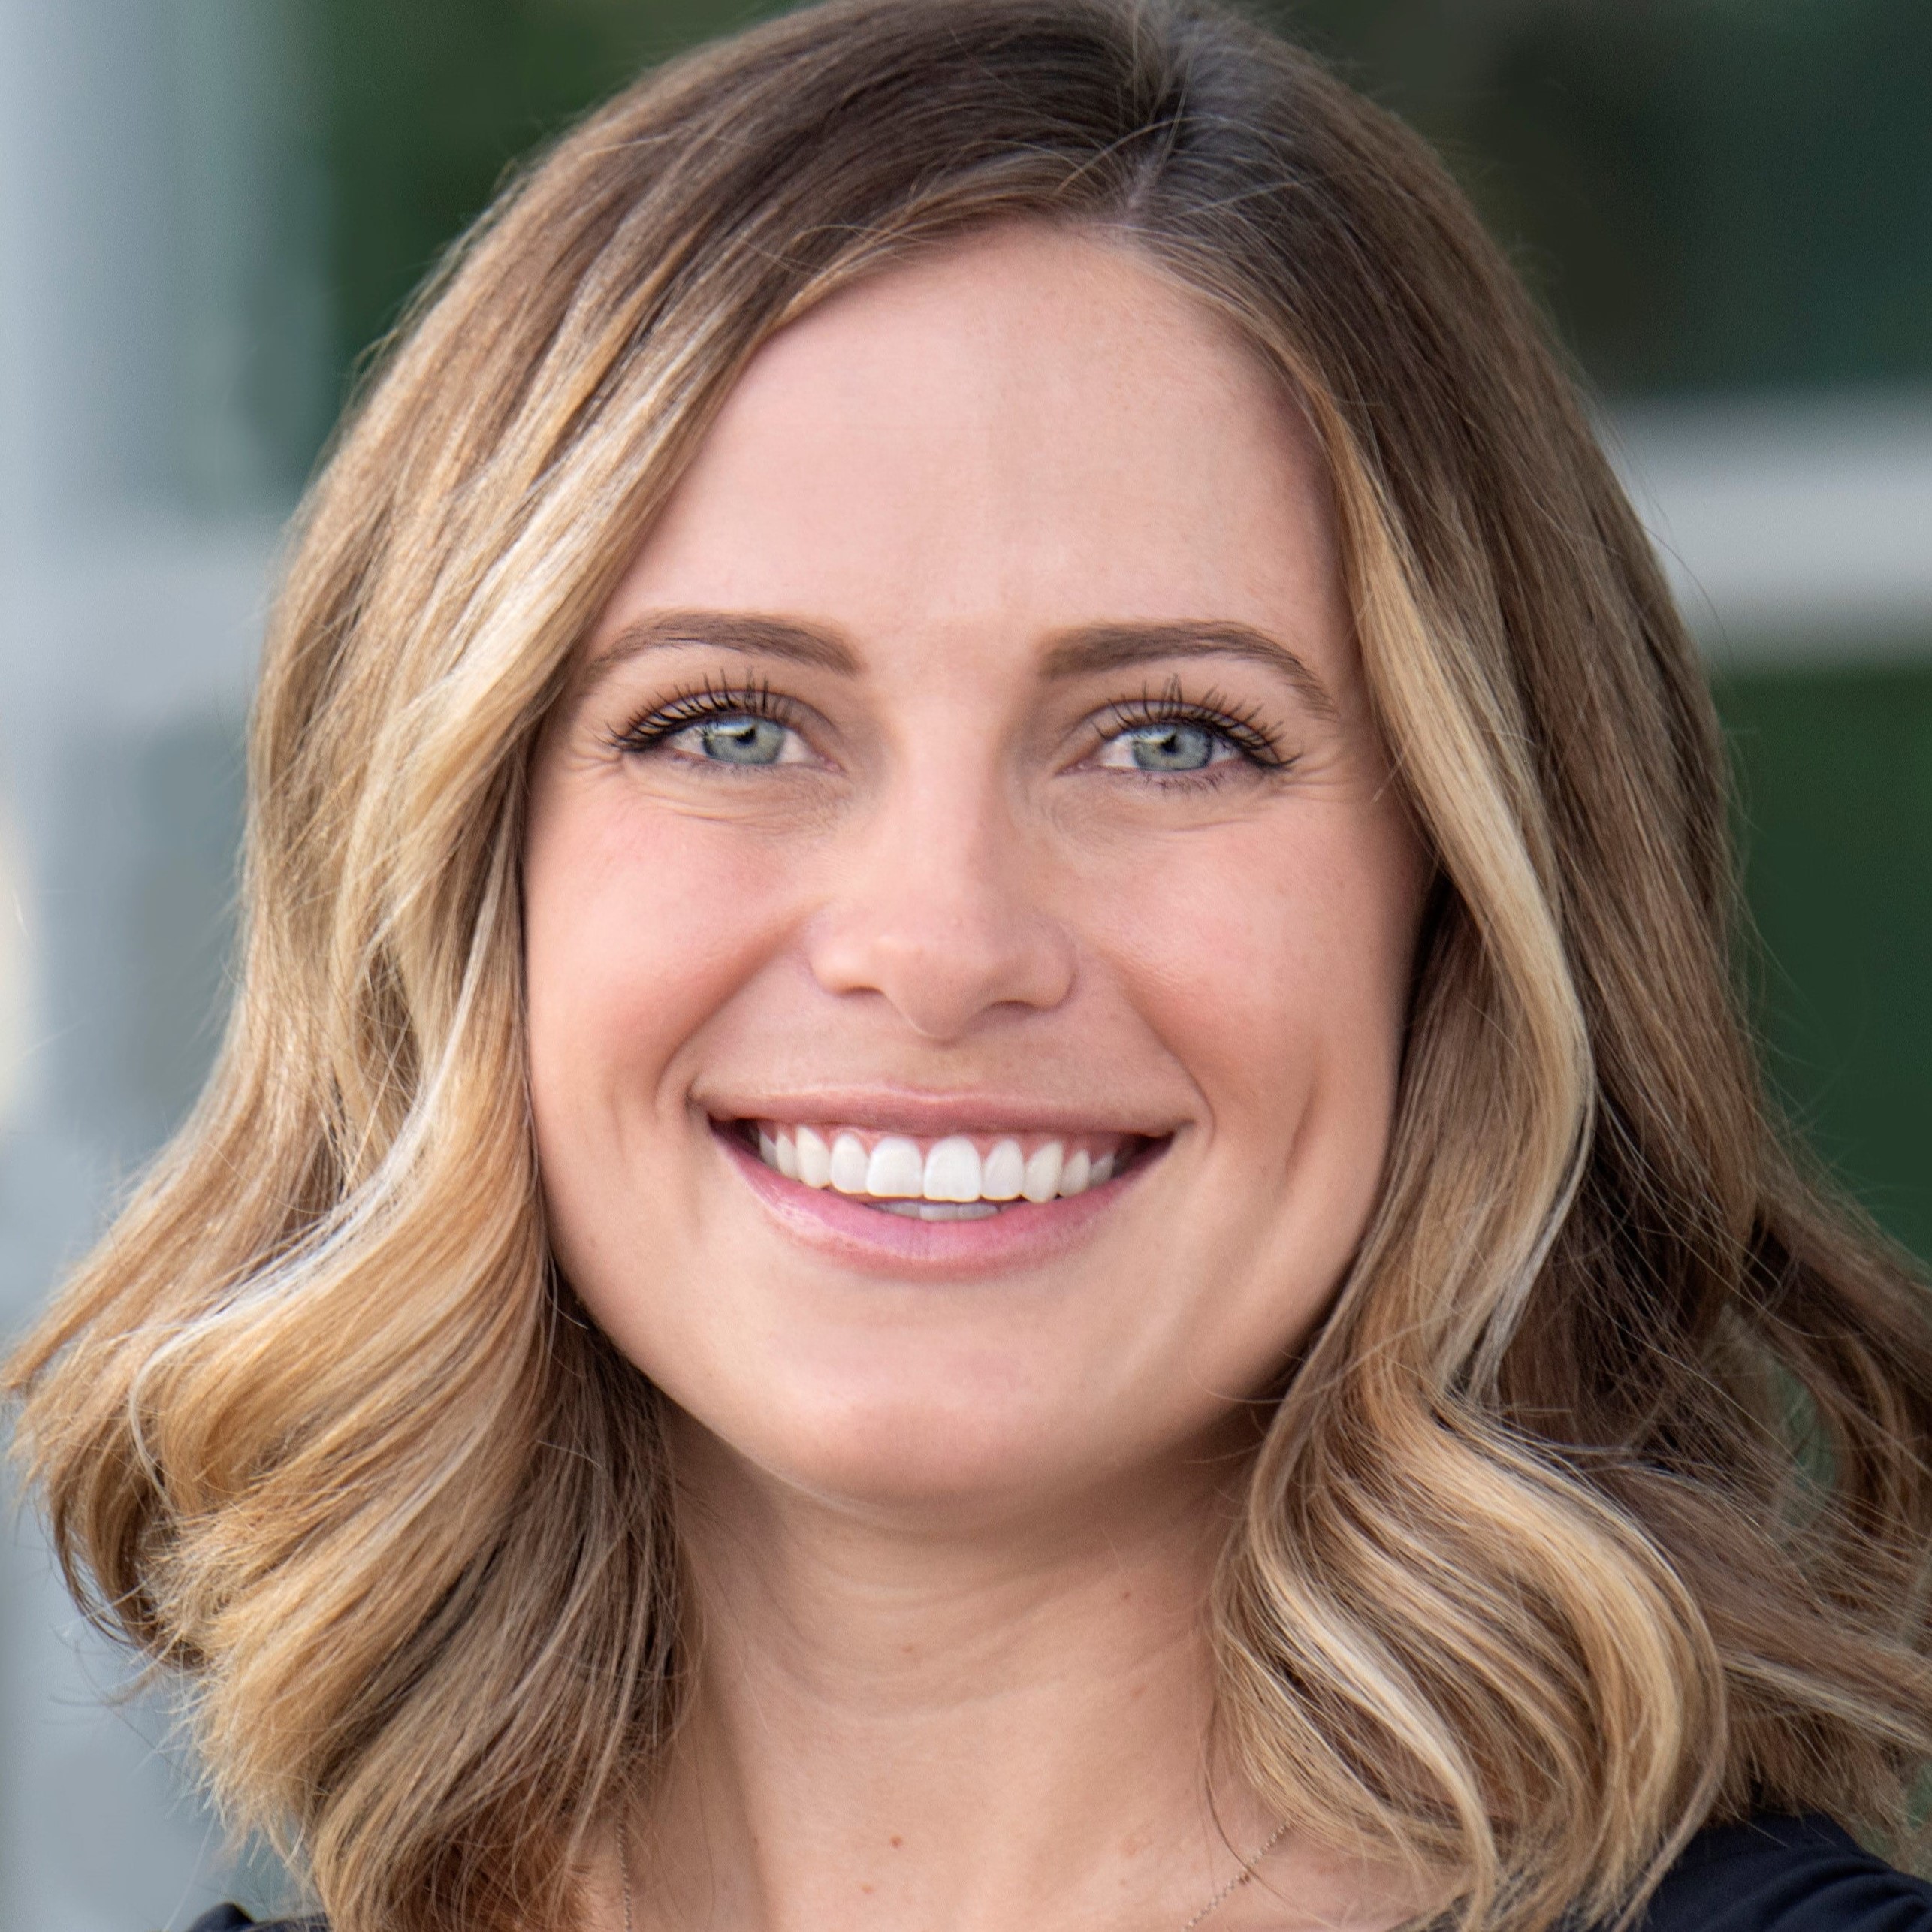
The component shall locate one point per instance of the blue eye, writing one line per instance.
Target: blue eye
(1169, 747)
(1177, 745)
(737, 738)
(745, 729)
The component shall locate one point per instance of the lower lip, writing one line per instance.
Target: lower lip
(1020, 1237)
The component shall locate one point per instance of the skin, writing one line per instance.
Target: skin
(952, 1497)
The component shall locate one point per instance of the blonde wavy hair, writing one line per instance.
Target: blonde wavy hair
(1600, 1505)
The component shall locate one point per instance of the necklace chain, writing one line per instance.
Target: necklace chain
(1233, 1885)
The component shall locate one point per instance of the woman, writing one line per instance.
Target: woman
(984, 1158)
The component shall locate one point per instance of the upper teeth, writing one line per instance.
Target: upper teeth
(895, 1167)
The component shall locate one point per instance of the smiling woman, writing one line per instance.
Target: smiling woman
(1048, 954)
(984, 1158)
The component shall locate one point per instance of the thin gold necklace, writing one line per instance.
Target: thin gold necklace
(1240, 1878)
(1234, 1884)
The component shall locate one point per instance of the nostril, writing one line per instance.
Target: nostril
(942, 966)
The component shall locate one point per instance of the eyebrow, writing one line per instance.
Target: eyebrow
(724, 630)
(1084, 651)
(1116, 647)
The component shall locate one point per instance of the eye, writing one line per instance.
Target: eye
(734, 738)
(1166, 736)
(718, 726)
(1176, 744)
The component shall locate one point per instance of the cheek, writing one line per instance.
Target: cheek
(1273, 961)
(1276, 969)
(638, 928)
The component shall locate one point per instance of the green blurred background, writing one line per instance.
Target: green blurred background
(1712, 198)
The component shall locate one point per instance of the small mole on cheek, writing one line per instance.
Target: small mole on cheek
(896, 1841)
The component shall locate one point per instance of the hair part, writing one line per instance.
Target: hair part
(1599, 1504)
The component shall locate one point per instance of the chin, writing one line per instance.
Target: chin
(907, 1445)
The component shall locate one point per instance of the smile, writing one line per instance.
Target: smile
(956, 1177)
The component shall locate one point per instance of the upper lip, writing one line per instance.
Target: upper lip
(906, 1110)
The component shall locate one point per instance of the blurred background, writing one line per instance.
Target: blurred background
(209, 209)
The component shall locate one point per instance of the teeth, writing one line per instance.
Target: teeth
(1041, 1180)
(895, 1172)
(814, 1160)
(950, 1181)
(1004, 1173)
(849, 1164)
(951, 1170)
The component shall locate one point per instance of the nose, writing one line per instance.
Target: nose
(937, 906)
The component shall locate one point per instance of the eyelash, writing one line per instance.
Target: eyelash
(1240, 725)
(695, 703)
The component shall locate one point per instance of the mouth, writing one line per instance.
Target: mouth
(947, 1178)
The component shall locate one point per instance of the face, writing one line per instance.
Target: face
(969, 915)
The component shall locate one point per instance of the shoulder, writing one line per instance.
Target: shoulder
(1769, 1874)
(232, 1918)
(1772, 1874)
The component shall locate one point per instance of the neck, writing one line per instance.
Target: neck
(916, 1720)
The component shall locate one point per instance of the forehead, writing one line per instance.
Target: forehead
(1033, 424)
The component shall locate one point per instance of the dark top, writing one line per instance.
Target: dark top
(1772, 1875)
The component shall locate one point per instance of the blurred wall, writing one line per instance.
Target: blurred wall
(209, 207)
(166, 369)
